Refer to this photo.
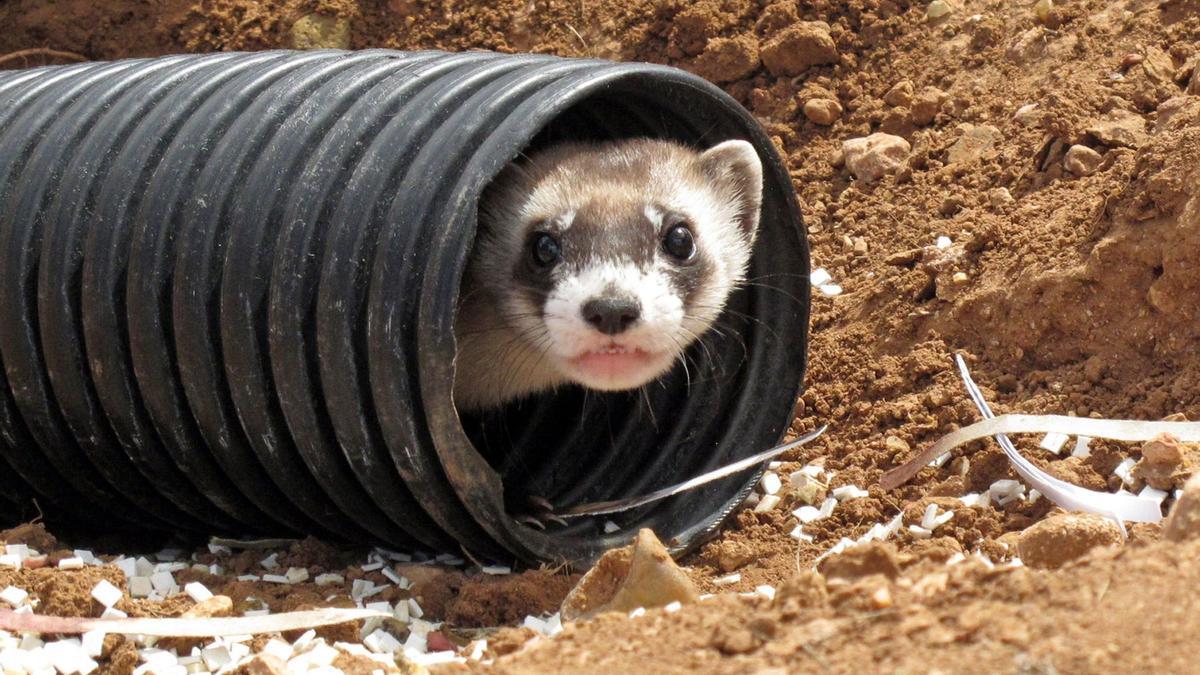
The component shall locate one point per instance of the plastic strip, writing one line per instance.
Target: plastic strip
(1064, 494)
(618, 505)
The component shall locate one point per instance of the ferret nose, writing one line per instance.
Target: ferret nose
(611, 316)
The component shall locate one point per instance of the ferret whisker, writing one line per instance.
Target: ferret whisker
(798, 301)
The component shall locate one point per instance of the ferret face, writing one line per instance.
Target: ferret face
(608, 261)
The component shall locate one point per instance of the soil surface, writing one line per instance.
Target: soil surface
(1055, 146)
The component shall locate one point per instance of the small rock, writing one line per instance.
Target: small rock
(927, 105)
(639, 575)
(1158, 66)
(870, 158)
(900, 95)
(975, 142)
(998, 197)
(728, 59)
(1027, 46)
(1120, 128)
(897, 447)
(1042, 10)
(1166, 462)
(216, 606)
(1026, 115)
(1183, 522)
(798, 48)
(317, 31)
(1081, 160)
(938, 9)
(1060, 539)
(822, 111)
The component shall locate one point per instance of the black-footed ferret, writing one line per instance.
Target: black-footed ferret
(599, 264)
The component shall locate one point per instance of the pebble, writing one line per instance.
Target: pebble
(822, 111)
(1119, 128)
(998, 197)
(975, 142)
(938, 9)
(870, 158)
(799, 47)
(640, 575)
(1081, 160)
(927, 105)
(901, 94)
(1060, 539)
(1026, 115)
(316, 31)
(1183, 522)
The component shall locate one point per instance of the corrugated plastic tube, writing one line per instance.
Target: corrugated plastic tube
(228, 286)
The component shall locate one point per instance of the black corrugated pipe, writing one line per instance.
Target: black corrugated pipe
(228, 285)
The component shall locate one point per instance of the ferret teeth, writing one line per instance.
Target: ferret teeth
(613, 349)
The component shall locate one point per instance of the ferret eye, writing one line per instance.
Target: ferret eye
(546, 250)
(679, 243)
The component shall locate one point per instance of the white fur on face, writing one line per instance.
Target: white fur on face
(656, 330)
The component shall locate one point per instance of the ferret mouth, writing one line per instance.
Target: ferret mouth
(616, 366)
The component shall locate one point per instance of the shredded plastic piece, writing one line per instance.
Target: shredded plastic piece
(617, 505)
(1071, 497)
(1054, 442)
(183, 627)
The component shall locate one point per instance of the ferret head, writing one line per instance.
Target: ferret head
(609, 260)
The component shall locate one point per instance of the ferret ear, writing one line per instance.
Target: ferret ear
(734, 167)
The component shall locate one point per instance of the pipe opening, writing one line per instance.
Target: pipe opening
(574, 446)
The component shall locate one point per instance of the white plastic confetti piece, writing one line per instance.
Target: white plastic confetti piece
(808, 514)
(140, 587)
(799, 534)
(497, 570)
(830, 289)
(819, 277)
(197, 591)
(162, 582)
(72, 563)
(849, 492)
(106, 594)
(1082, 449)
(727, 580)
(943, 242)
(610, 527)
(767, 503)
(1054, 442)
(1153, 493)
(919, 532)
(92, 643)
(672, 607)
(1124, 470)
(296, 575)
(771, 483)
(13, 595)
